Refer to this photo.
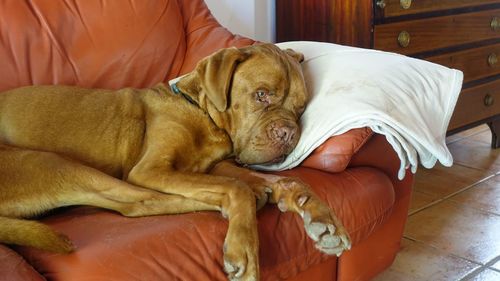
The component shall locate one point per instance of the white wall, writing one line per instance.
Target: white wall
(250, 18)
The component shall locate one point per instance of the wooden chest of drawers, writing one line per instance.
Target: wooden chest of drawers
(462, 34)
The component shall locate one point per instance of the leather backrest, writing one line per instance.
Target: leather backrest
(105, 44)
(204, 35)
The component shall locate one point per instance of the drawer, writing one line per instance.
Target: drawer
(475, 104)
(475, 63)
(394, 8)
(439, 32)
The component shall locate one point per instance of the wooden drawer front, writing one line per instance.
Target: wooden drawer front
(394, 8)
(475, 63)
(476, 104)
(438, 32)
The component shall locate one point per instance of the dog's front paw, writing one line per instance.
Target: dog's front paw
(330, 237)
(320, 224)
(241, 256)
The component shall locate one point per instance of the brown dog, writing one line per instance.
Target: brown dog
(150, 152)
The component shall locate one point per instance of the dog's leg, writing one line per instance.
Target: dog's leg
(33, 234)
(291, 194)
(56, 181)
(32, 182)
(232, 197)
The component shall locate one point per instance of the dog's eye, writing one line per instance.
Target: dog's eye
(262, 96)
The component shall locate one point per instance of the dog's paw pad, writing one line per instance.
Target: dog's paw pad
(331, 251)
(329, 239)
(233, 270)
(315, 230)
(333, 244)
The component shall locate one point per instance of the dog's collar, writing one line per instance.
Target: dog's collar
(177, 91)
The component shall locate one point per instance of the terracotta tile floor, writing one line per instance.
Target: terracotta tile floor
(453, 228)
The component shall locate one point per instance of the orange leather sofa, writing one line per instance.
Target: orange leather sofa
(137, 43)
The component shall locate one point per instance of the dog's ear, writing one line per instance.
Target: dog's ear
(216, 73)
(296, 55)
(212, 77)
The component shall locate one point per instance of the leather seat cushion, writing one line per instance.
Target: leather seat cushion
(189, 246)
(14, 267)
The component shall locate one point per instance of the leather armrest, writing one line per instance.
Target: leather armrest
(335, 154)
(357, 148)
(378, 153)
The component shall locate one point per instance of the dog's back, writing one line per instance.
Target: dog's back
(71, 120)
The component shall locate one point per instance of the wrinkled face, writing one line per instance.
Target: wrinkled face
(256, 94)
(267, 97)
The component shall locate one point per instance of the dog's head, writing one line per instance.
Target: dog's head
(256, 94)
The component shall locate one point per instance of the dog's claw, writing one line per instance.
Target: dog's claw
(282, 205)
(234, 271)
(302, 200)
(306, 216)
(346, 241)
(331, 228)
(239, 264)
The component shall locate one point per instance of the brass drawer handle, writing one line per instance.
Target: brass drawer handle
(405, 4)
(488, 100)
(492, 59)
(404, 39)
(495, 23)
(381, 4)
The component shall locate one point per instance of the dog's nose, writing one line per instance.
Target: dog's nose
(281, 132)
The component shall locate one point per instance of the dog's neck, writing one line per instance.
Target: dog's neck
(177, 91)
(220, 119)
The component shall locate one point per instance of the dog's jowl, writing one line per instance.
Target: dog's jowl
(163, 150)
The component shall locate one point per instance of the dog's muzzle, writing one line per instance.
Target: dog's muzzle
(282, 133)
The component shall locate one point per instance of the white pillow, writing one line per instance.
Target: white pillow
(408, 100)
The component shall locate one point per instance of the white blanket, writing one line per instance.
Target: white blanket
(410, 101)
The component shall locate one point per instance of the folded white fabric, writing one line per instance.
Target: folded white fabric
(408, 100)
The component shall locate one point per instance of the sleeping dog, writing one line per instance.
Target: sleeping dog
(163, 150)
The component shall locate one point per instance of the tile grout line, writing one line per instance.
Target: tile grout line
(492, 262)
(472, 207)
(486, 266)
(465, 137)
(481, 267)
(472, 167)
(473, 273)
(445, 252)
(433, 203)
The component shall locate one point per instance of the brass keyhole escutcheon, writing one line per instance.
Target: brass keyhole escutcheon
(495, 23)
(492, 59)
(488, 100)
(381, 4)
(404, 39)
(405, 4)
